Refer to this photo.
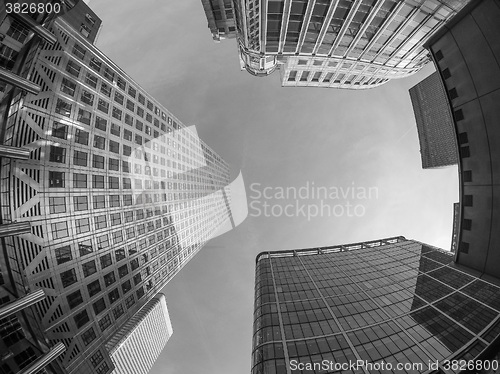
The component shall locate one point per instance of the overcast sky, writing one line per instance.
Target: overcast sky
(338, 140)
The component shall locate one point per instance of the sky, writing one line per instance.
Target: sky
(359, 146)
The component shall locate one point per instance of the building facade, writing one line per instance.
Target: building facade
(114, 194)
(220, 17)
(354, 44)
(466, 55)
(135, 348)
(436, 131)
(384, 302)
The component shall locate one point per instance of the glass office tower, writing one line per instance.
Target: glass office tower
(115, 195)
(352, 307)
(353, 44)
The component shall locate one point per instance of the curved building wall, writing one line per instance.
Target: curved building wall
(467, 55)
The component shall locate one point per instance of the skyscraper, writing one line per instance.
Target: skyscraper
(466, 55)
(369, 306)
(353, 44)
(436, 132)
(220, 17)
(112, 196)
(135, 348)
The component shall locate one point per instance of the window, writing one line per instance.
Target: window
(59, 230)
(105, 322)
(95, 64)
(142, 99)
(115, 219)
(129, 301)
(80, 158)
(113, 182)
(79, 180)
(98, 162)
(81, 318)
(138, 139)
(129, 216)
(85, 30)
(63, 108)
(113, 296)
(99, 142)
(99, 306)
(464, 247)
(89, 268)
(57, 205)
(467, 176)
(56, 179)
(127, 199)
(119, 254)
(114, 147)
(115, 129)
(140, 292)
(84, 116)
(127, 135)
(114, 201)
(127, 182)
(150, 105)
(467, 224)
(91, 80)
(85, 248)
(127, 151)
(74, 299)
(17, 31)
(103, 106)
(68, 277)
(118, 236)
(117, 113)
(132, 91)
(453, 93)
(103, 241)
(8, 57)
(137, 279)
(109, 279)
(106, 89)
(90, 19)
(123, 271)
(88, 336)
(63, 254)
(126, 286)
(118, 311)
(81, 137)
(130, 105)
(129, 120)
(73, 68)
(149, 117)
(109, 74)
(68, 87)
(113, 164)
(468, 200)
(138, 125)
(87, 98)
(120, 82)
(106, 261)
(100, 222)
(459, 115)
(80, 203)
(97, 181)
(99, 201)
(465, 152)
(57, 154)
(82, 225)
(94, 288)
(140, 113)
(119, 98)
(59, 130)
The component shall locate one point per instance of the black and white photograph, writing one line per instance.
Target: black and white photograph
(249, 186)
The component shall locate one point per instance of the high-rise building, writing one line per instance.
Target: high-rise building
(105, 194)
(220, 17)
(353, 44)
(466, 55)
(436, 132)
(368, 307)
(135, 348)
